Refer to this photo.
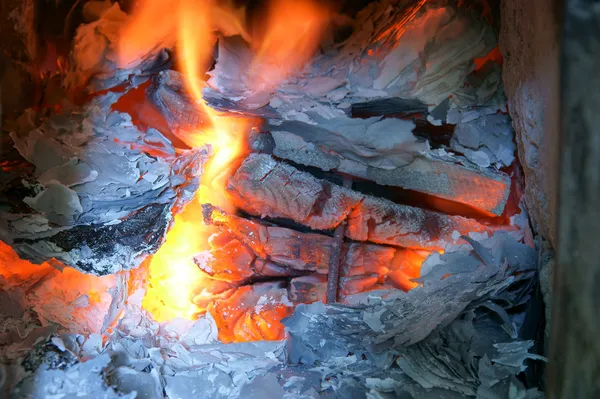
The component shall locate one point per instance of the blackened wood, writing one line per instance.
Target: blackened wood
(244, 250)
(264, 186)
(443, 178)
(575, 347)
(333, 276)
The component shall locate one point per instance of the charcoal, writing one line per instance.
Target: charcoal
(101, 193)
(426, 172)
(264, 187)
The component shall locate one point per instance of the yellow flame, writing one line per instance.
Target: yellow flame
(174, 280)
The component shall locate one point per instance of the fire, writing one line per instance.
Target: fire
(176, 286)
(279, 53)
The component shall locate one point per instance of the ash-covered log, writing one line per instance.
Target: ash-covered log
(433, 173)
(98, 194)
(384, 151)
(266, 187)
(246, 249)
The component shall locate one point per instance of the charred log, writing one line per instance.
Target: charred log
(432, 174)
(244, 250)
(268, 188)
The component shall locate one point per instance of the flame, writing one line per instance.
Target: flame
(176, 287)
(291, 37)
(394, 33)
(150, 26)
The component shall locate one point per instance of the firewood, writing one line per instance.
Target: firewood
(245, 249)
(266, 187)
(98, 193)
(428, 173)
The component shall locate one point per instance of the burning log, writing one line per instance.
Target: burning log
(429, 173)
(269, 188)
(243, 250)
(99, 194)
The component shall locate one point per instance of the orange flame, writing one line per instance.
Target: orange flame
(291, 36)
(151, 26)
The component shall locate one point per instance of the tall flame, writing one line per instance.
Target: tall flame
(293, 30)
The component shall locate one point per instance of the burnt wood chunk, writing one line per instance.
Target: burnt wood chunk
(428, 174)
(308, 289)
(237, 255)
(266, 187)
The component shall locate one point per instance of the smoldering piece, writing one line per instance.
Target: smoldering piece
(246, 249)
(266, 187)
(100, 194)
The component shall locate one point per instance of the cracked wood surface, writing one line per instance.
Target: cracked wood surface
(266, 187)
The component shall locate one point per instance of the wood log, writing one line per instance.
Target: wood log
(365, 153)
(245, 250)
(265, 187)
(427, 173)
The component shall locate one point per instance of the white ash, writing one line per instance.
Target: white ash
(182, 358)
(102, 191)
(487, 140)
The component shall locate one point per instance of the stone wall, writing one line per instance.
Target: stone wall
(529, 40)
(530, 43)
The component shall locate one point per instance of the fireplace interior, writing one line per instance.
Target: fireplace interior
(277, 199)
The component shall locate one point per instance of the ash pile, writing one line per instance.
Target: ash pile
(387, 161)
